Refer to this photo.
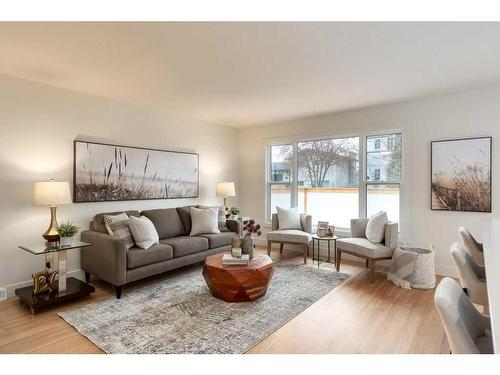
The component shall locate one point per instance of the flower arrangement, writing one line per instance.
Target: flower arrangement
(250, 227)
(234, 211)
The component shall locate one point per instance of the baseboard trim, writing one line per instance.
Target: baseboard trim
(12, 287)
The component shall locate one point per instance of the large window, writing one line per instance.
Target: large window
(383, 177)
(322, 177)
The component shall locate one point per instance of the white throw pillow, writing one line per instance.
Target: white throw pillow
(375, 229)
(144, 232)
(288, 219)
(204, 221)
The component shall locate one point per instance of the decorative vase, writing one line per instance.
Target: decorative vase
(65, 241)
(247, 245)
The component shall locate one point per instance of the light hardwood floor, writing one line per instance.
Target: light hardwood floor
(356, 317)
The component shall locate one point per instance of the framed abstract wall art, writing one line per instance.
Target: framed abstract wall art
(106, 172)
(461, 174)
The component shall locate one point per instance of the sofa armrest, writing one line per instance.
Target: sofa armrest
(234, 226)
(391, 235)
(358, 228)
(306, 223)
(107, 259)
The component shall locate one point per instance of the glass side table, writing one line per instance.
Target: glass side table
(329, 239)
(68, 288)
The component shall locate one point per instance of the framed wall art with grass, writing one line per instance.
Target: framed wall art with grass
(461, 174)
(107, 172)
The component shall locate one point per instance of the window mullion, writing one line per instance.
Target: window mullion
(362, 177)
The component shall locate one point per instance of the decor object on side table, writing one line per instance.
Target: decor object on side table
(238, 283)
(225, 190)
(67, 288)
(104, 172)
(247, 243)
(66, 232)
(40, 282)
(235, 212)
(322, 228)
(461, 175)
(51, 193)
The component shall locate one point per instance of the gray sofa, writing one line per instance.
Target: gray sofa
(109, 259)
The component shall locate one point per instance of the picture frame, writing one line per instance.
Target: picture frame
(104, 172)
(461, 174)
(322, 228)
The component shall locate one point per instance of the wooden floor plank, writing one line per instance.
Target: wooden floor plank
(356, 317)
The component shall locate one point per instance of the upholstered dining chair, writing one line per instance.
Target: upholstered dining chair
(467, 330)
(472, 276)
(474, 248)
(291, 236)
(359, 246)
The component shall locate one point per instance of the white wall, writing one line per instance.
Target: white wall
(38, 124)
(475, 113)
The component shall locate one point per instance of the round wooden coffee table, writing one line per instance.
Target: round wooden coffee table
(238, 283)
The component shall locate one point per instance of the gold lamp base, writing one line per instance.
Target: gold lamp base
(51, 234)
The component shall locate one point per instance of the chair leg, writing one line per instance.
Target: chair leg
(269, 248)
(339, 255)
(281, 248)
(367, 262)
(372, 271)
(305, 254)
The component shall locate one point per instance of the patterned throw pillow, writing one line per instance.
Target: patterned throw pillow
(118, 227)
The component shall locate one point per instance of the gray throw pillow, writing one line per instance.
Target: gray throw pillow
(204, 221)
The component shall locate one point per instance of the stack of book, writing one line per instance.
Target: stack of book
(229, 260)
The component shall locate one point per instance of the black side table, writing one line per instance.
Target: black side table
(328, 239)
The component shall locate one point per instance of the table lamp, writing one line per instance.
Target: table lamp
(225, 190)
(51, 193)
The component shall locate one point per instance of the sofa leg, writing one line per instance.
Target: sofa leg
(367, 262)
(305, 254)
(87, 277)
(281, 248)
(269, 248)
(372, 271)
(337, 263)
(118, 291)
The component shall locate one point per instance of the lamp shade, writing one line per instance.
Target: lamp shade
(51, 193)
(225, 189)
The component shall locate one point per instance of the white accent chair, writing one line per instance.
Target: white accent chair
(358, 245)
(472, 276)
(468, 331)
(291, 236)
(474, 248)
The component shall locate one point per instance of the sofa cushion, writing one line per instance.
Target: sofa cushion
(167, 222)
(289, 235)
(98, 220)
(137, 257)
(185, 215)
(217, 240)
(185, 245)
(362, 246)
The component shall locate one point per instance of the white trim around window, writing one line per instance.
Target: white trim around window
(363, 183)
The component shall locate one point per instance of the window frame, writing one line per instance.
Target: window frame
(363, 182)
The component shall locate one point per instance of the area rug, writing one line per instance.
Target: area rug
(179, 315)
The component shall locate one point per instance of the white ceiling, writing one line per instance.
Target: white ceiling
(243, 74)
